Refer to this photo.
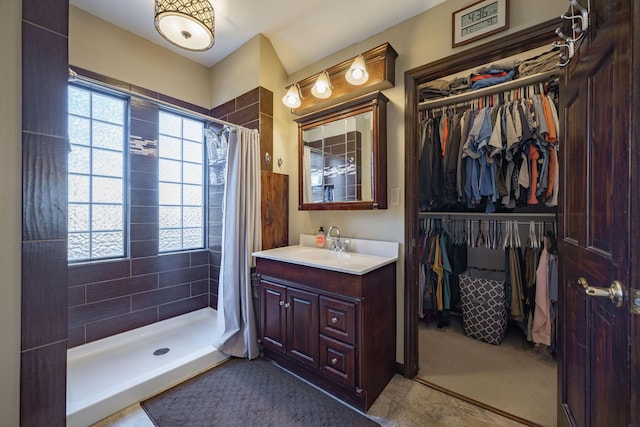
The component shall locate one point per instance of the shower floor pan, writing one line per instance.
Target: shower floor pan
(106, 376)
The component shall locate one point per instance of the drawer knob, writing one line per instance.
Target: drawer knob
(281, 302)
(334, 361)
(334, 320)
(287, 305)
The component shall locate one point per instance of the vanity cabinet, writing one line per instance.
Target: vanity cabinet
(335, 329)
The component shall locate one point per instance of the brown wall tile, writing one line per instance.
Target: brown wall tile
(181, 307)
(118, 324)
(266, 102)
(160, 296)
(144, 214)
(160, 263)
(245, 115)
(142, 163)
(44, 293)
(98, 311)
(80, 274)
(200, 287)
(144, 248)
(175, 277)
(144, 111)
(248, 98)
(44, 187)
(43, 386)
(199, 258)
(76, 296)
(122, 287)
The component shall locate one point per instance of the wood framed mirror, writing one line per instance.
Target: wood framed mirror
(342, 156)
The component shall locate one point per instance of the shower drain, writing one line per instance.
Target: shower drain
(161, 351)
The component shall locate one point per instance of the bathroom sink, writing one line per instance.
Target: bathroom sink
(352, 262)
(322, 254)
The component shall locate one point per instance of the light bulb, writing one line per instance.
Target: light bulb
(322, 87)
(357, 73)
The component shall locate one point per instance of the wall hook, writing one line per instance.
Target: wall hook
(280, 161)
(267, 158)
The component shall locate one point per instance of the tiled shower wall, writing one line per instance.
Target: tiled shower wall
(109, 297)
(253, 110)
(44, 213)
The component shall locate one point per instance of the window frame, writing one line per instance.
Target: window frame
(125, 204)
(182, 115)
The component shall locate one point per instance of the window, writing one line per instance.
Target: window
(96, 206)
(181, 183)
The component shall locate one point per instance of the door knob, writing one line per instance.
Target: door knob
(613, 292)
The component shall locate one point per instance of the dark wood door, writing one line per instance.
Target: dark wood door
(598, 377)
(302, 326)
(273, 315)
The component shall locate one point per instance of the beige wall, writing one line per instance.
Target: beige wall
(101, 47)
(418, 41)
(10, 210)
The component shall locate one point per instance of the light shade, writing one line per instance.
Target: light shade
(322, 87)
(357, 74)
(293, 97)
(187, 24)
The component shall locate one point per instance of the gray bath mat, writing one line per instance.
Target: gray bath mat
(249, 393)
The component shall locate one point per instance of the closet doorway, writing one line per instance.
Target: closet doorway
(437, 351)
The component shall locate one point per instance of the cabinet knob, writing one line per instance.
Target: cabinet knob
(281, 302)
(334, 361)
(334, 320)
(287, 305)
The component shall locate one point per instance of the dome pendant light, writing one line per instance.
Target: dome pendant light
(357, 73)
(186, 24)
(322, 88)
(293, 97)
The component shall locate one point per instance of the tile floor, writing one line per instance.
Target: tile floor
(403, 403)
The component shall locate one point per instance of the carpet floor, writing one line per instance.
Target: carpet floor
(249, 393)
(511, 377)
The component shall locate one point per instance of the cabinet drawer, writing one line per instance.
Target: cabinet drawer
(338, 319)
(337, 360)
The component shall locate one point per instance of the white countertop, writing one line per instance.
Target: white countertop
(370, 255)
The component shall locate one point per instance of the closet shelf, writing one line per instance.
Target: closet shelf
(485, 216)
(501, 87)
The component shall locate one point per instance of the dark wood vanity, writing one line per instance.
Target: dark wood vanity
(336, 330)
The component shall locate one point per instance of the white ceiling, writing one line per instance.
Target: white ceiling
(301, 31)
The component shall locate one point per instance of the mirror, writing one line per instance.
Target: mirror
(342, 156)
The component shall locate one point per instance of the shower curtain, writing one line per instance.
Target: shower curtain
(241, 235)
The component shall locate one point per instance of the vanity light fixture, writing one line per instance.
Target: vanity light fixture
(185, 23)
(293, 97)
(357, 74)
(322, 87)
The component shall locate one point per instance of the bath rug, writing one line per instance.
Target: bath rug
(249, 393)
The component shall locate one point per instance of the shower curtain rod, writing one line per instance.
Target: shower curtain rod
(75, 76)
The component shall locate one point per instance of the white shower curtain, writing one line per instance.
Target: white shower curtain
(241, 235)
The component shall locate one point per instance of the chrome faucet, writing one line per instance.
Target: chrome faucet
(336, 244)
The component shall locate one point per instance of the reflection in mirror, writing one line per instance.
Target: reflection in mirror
(337, 160)
(342, 156)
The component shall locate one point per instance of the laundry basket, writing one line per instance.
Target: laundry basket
(484, 309)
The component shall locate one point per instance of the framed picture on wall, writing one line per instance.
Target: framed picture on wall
(479, 20)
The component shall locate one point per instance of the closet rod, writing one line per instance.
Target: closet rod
(487, 217)
(75, 76)
(501, 87)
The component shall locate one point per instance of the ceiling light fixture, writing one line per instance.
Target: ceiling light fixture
(293, 97)
(357, 73)
(322, 87)
(186, 24)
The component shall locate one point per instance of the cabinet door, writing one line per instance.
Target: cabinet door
(302, 326)
(273, 315)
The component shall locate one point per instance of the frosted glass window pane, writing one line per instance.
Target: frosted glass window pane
(192, 217)
(170, 124)
(192, 130)
(79, 159)
(107, 163)
(107, 217)
(78, 217)
(170, 217)
(193, 238)
(79, 101)
(106, 135)
(78, 246)
(192, 152)
(107, 190)
(107, 244)
(170, 240)
(78, 188)
(169, 194)
(169, 148)
(79, 130)
(108, 109)
(192, 195)
(170, 170)
(192, 174)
